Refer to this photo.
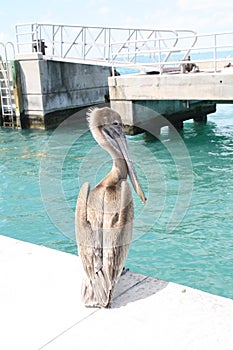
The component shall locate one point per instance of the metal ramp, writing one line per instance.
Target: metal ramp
(8, 106)
(113, 46)
(144, 50)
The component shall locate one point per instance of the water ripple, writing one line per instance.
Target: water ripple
(198, 253)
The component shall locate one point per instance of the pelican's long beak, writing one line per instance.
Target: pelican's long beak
(116, 136)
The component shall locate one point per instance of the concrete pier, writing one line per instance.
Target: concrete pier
(49, 90)
(182, 74)
(200, 86)
(150, 101)
(41, 308)
(52, 89)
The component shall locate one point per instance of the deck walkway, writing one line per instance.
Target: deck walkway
(41, 308)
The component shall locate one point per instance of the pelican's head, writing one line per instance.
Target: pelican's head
(106, 127)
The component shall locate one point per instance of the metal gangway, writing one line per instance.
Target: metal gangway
(98, 44)
(143, 49)
(8, 107)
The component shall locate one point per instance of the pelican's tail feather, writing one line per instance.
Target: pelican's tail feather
(96, 292)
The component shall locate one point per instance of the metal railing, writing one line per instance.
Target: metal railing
(82, 42)
(210, 52)
(7, 51)
(8, 107)
(160, 50)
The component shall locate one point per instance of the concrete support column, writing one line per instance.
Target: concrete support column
(125, 109)
(200, 119)
(29, 78)
(178, 125)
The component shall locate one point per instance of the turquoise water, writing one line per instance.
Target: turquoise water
(184, 233)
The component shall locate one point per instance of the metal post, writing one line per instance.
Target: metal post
(61, 41)
(136, 46)
(160, 67)
(104, 43)
(17, 38)
(53, 39)
(109, 44)
(84, 43)
(40, 35)
(37, 41)
(215, 53)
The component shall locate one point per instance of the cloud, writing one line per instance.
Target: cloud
(198, 15)
(2, 36)
(186, 5)
(104, 10)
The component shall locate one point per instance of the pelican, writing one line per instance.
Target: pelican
(104, 215)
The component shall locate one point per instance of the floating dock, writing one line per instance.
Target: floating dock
(41, 308)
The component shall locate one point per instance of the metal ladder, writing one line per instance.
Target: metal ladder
(7, 94)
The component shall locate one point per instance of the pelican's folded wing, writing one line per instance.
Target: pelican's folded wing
(118, 226)
(84, 235)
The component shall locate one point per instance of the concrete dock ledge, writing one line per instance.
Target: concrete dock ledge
(41, 308)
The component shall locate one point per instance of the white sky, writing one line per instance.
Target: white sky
(203, 16)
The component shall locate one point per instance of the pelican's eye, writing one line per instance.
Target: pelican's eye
(115, 122)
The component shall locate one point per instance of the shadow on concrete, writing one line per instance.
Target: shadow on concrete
(132, 287)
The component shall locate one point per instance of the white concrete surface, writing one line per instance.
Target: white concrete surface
(40, 308)
(193, 86)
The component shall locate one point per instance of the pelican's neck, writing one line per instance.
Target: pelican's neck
(117, 174)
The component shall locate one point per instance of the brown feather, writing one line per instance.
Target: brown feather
(104, 221)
